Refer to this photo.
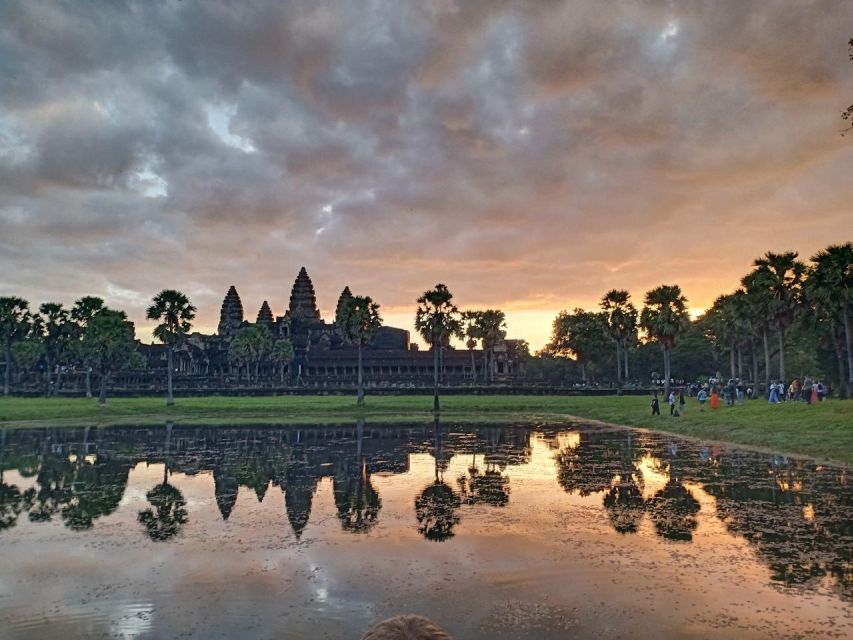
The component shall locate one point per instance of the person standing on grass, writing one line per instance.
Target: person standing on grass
(671, 400)
(682, 402)
(774, 393)
(702, 396)
(655, 405)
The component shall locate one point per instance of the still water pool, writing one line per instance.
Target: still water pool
(494, 531)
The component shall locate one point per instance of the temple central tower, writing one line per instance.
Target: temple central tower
(231, 313)
(303, 301)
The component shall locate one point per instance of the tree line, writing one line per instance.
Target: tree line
(782, 305)
(101, 340)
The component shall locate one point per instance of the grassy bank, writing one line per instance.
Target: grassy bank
(823, 430)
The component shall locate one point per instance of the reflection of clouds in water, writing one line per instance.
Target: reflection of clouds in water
(256, 552)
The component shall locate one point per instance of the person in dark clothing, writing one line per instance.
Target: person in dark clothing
(655, 405)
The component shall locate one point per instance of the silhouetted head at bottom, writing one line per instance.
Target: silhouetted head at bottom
(407, 628)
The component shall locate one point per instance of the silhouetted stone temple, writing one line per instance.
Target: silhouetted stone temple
(322, 357)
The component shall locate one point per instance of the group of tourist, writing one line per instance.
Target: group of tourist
(808, 391)
(735, 391)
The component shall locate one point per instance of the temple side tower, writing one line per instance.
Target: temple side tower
(231, 313)
(303, 301)
(346, 294)
(265, 316)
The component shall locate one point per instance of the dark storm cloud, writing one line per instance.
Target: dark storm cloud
(530, 154)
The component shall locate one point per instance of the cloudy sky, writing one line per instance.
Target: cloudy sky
(531, 155)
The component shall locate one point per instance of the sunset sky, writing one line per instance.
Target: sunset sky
(530, 155)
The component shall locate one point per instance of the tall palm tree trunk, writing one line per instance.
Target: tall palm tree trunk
(848, 339)
(618, 364)
(781, 335)
(485, 363)
(732, 361)
(839, 356)
(435, 405)
(473, 366)
(766, 358)
(754, 364)
(102, 389)
(170, 396)
(666, 374)
(7, 372)
(88, 378)
(625, 353)
(47, 376)
(360, 399)
(740, 362)
(58, 382)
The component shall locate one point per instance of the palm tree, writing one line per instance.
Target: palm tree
(664, 318)
(56, 333)
(824, 314)
(14, 324)
(472, 332)
(781, 275)
(240, 353)
(621, 324)
(720, 325)
(82, 313)
(251, 346)
(492, 328)
(758, 305)
(437, 320)
(834, 270)
(282, 354)
(175, 313)
(359, 320)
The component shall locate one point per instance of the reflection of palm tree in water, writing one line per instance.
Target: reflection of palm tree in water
(356, 499)
(590, 466)
(437, 504)
(490, 487)
(169, 515)
(11, 498)
(673, 509)
(624, 501)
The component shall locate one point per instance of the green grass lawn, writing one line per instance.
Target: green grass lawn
(822, 430)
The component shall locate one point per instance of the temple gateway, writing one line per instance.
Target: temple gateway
(324, 358)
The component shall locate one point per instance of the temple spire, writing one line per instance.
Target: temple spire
(303, 301)
(265, 316)
(231, 313)
(346, 294)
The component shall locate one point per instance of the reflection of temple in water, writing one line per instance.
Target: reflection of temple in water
(293, 459)
(797, 516)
